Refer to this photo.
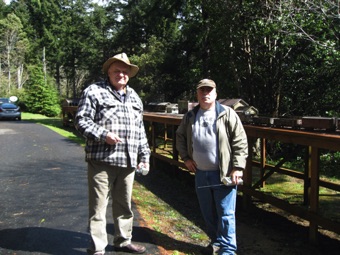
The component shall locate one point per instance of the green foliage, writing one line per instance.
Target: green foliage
(13, 48)
(278, 56)
(330, 164)
(41, 97)
(294, 158)
(150, 80)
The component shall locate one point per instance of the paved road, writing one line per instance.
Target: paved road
(43, 194)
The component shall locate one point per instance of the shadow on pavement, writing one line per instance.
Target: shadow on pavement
(43, 240)
(56, 241)
(153, 239)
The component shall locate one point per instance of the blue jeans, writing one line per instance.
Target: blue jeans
(218, 209)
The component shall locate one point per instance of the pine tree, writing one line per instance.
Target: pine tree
(42, 97)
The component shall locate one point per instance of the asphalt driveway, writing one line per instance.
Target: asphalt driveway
(43, 194)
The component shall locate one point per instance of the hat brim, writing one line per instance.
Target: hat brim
(206, 85)
(133, 68)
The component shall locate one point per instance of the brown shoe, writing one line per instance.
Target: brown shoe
(91, 252)
(132, 248)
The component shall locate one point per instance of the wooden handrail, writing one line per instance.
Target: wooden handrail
(313, 141)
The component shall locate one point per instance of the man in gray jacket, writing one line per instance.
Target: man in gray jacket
(213, 144)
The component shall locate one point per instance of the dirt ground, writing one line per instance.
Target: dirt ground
(264, 229)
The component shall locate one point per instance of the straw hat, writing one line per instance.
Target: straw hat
(122, 57)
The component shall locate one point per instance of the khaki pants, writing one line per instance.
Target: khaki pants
(105, 180)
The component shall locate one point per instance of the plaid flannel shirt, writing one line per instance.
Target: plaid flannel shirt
(100, 111)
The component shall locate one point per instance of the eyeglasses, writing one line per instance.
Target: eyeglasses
(116, 72)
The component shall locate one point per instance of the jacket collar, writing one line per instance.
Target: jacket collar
(218, 108)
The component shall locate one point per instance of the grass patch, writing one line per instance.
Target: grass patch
(55, 124)
(163, 218)
(291, 190)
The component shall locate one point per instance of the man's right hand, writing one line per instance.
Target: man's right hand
(191, 165)
(112, 138)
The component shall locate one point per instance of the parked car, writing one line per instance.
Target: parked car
(10, 111)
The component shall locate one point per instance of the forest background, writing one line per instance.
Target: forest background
(282, 57)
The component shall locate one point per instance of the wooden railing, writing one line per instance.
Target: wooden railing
(312, 141)
(68, 114)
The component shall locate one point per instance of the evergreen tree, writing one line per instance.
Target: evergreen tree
(41, 95)
(268, 53)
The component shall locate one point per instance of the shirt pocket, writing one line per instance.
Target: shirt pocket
(137, 113)
(108, 113)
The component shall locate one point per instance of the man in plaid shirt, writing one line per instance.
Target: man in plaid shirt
(110, 117)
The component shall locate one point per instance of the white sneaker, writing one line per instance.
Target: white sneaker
(99, 253)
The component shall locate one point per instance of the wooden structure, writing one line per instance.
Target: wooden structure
(314, 142)
(68, 111)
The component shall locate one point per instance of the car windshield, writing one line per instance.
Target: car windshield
(4, 100)
(8, 106)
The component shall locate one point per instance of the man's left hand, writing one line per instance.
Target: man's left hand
(236, 176)
(144, 165)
